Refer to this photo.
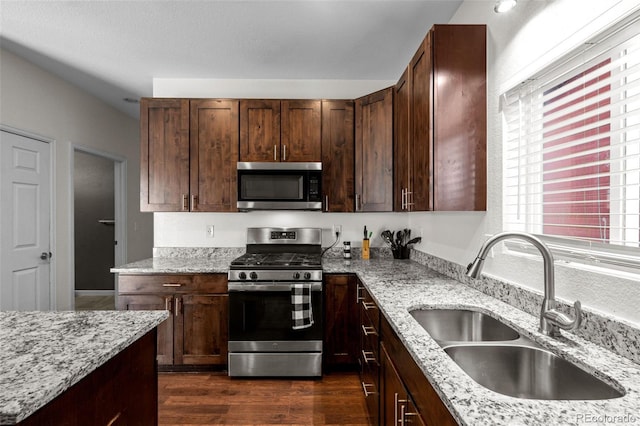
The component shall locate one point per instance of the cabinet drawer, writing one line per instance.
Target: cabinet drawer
(170, 283)
(369, 307)
(370, 381)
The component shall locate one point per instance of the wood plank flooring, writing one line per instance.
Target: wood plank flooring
(216, 399)
(95, 303)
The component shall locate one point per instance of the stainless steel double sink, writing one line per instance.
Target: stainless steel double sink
(497, 357)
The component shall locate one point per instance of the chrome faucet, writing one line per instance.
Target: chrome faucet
(551, 320)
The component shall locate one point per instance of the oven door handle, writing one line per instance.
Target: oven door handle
(249, 286)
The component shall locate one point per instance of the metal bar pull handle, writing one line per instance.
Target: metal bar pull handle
(284, 153)
(359, 297)
(357, 199)
(364, 388)
(368, 356)
(177, 309)
(185, 202)
(167, 304)
(369, 331)
(275, 153)
(171, 285)
(194, 202)
(406, 414)
(326, 203)
(402, 202)
(368, 305)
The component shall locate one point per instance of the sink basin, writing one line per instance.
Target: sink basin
(528, 372)
(460, 325)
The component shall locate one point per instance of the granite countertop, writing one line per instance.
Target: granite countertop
(42, 354)
(402, 285)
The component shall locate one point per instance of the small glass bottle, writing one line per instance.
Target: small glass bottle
(346, 250)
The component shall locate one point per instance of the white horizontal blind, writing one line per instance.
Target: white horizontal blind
(572, 146)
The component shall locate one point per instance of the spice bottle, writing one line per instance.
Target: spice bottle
(346, 250)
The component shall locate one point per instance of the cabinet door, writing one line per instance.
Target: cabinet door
(164, 155)
(421, 138)
(394, 395)
(301, 130)
(460, 108)
(214, 154)
(150, 302)
(202, 332)
(259, 130)
(341, 325)
(338, 155)
(374, 152)
(401, 123)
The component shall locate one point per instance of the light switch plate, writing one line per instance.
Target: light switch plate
(209, 231)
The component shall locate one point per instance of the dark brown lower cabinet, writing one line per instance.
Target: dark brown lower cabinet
(196, 333)
(123, 391)
(422, 404)
(341, 322)
(397, 407)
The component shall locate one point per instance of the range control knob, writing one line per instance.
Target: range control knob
(307, 275)
(296, 275)
(242, 275)
(253, 276)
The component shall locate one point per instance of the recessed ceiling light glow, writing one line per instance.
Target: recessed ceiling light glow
(504, 5)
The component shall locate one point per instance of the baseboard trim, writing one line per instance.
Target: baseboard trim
(94, 293)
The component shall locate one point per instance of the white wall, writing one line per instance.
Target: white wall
(189, 229)
(519, 44)
(39, 102)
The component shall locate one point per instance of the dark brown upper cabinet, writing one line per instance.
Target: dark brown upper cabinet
(214, 155)
(274, 130)
(301, 129)
(189, 153)
(259, 130)
(374, 152)
(401, 127)
(338, 155)
(440, 119)
(164, 155)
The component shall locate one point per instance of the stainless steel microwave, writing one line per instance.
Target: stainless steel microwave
(279, 186)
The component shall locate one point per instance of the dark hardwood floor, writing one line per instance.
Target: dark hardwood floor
(216, 399)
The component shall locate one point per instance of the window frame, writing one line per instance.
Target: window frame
(622, 258)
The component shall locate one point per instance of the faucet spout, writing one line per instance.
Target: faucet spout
(551, 320)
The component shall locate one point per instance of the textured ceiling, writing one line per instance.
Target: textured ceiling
(114, 49)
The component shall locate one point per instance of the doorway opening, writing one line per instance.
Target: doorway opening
(99, 226)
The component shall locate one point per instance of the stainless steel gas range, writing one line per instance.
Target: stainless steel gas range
(275, 304)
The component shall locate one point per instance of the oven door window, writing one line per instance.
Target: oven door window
(279, 186)
(266, 316)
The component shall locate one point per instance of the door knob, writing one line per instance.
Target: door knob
(45, 255)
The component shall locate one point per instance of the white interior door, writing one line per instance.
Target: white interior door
(25, 193)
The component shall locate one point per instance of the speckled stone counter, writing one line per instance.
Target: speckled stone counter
(42, 354)
(399, 286)
(178, 265)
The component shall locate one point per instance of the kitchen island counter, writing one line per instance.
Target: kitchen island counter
(43, 354)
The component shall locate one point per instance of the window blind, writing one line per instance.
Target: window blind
(572, 148)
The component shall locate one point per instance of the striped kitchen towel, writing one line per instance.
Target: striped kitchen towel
(301, 311)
